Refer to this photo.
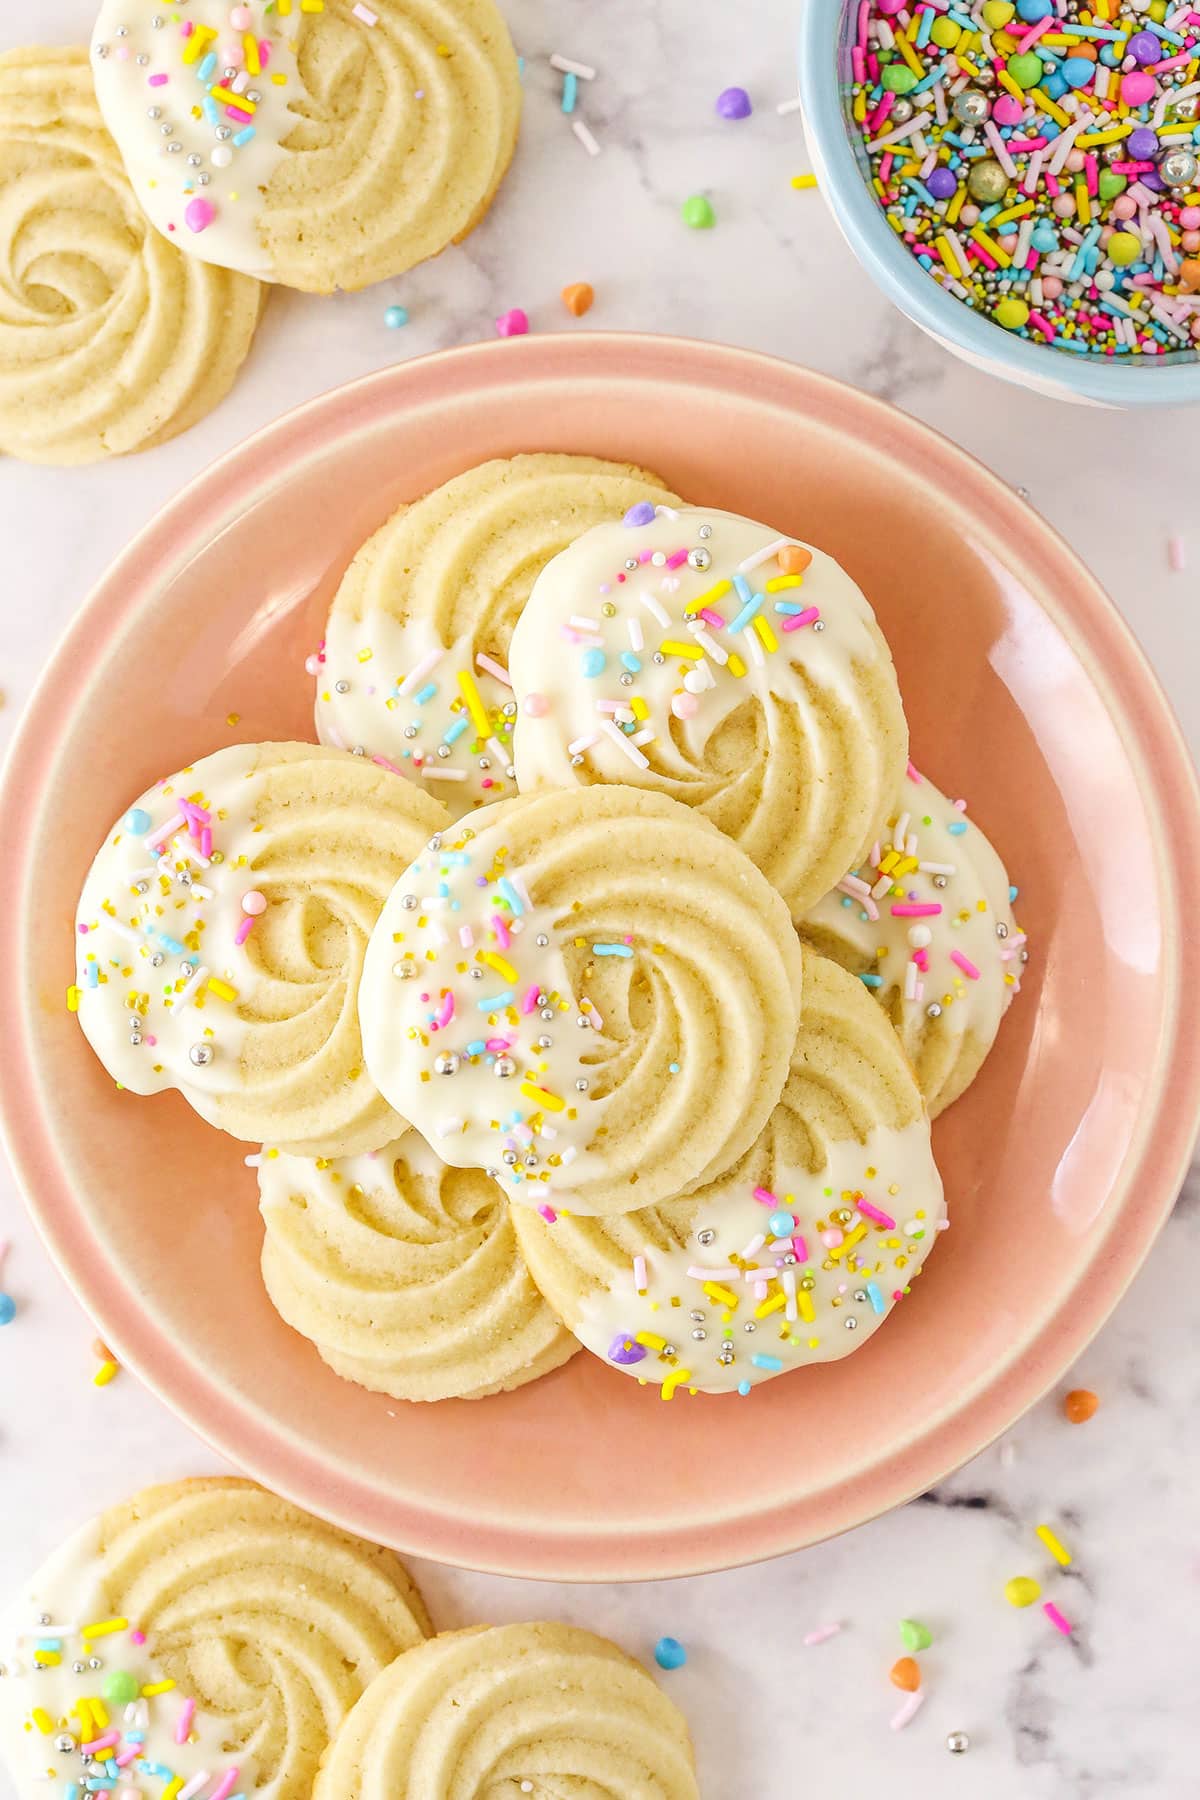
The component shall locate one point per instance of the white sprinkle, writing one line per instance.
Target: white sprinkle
(881, 887)
(708, 644)
(438, 772)
(365, 14)
(631, 750)
(165, 831)
(787, 1278)
(754, 645)
(854, 884)
(565, 66)
(466, 937)
(1176, 554)
(447, 1127)
(908, 1710)
(645, 736)
(193, 987)
(416, 676)
(585, 137)
(124, 931)
(697, 1272)
(665, 512)
(656, 611)
(582, 624)
(492, 666)
(569, 1154)
(761, 556)
(637, 637)
(639, 1274)
(754, 1246)
(200, 893)
(928, 868)
(910, 981)
(580, 744)
(789, 106)
(496, 749)
(901, 828)
(913, 127)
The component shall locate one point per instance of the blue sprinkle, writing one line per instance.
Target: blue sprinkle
(242, 137)
(787, 606)
(672, 1068)
(455, 729)
(152, 1768)
(1012, 894)
(958, 827)
(631, 662)
(456, 859)
(91, 974)
(743, 1388)
(8, 1309)
(395, 317)
(871, 981)
(669, 1653)
(444, 890)
(49, 1644)
(611, 950)
(425, 693)
(593, 662)
(511, 895)
(138, 821)
(570, 90)
(878, 1304)
(71, 1791)
(496, 1002)
(476, 1047)
(762, 1361)
(206, 69)
(209, 107)
(168, 943)
(742, 589)
(748, 611)
(521, 73)
(846, 900)
(641, 514)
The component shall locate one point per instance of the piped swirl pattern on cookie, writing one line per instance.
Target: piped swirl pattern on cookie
(111, 341)
(799, 1254)
(319, 143)
(413, 666)
(541, 1709)
(698, 654)
(221, 933)
(405, 1273)
(590, 992)
(926, 923)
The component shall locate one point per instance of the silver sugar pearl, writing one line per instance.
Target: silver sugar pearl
(626, 679)
(165, 130)
(253, 95)
(135, 1038)
(443, 751)
(187, 969)
(818, 624)
(509, 1157)
(699, 558)
(531, 1161)
(577, 762)
(142, 60)
(409, 902)
(1002, 930)
(1179, 168)
(659, 658)
(203, 180)
(581, 1085)
(1186, 109)
(1024, 956)
(504, 1068)
(631, 563)
(861, 1295)
(541, 940)
(94, 1663)
(136, 1022)
(121, 31)
(44, 1618)
(697, 1316)
(699, 1334)
(446, 1063)
(223, 132)
(101, 51)
(510, 771)
(485, 762)
(509, 709)
(154, 112)
(200, 1055)
(902, 111)
(78, 1668)
(939, 881)
(971, 107)
(492, 1174)
(476, 974)
(435, 842)
(583, 1022)
(229, 74)
(341, 687)
(725, 1358)
(545, 1042)
(749, 1325)
(546, 1014)
(933, 1010)
(403, 971)
(65, 1744)
(669, 1350)
(359, 750)
(185, 878)
(158, 21)
(410, 731)
(157, 960)
(958, 1743)
(706, 1237)
(705, 531)
(174, 149)
(850, 1322)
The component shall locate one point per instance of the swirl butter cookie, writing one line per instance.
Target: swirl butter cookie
(319, 143)
(495, 1713)
(590, 992)
(799, 1254)
(703, 656)
(926, 921)
(111, 340)
(203, 1638)
(221, 933)
(405, 1273)
(413, 663)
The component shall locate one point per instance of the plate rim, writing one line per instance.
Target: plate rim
(1147, 1183)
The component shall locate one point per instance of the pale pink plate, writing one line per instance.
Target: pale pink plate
(1026, 693)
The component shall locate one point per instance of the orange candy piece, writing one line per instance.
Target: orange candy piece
(1189, 273)
(905, 1674)
(1080, 1404)
(578, 298)
(793, 559)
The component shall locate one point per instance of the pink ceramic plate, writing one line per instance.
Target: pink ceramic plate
(1026, 693)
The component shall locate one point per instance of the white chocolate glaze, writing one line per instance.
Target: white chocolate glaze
(706, 657)
(729, 1304)
(198, 142)
(927, 920)
(66, 1592)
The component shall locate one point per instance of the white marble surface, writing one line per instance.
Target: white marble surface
(1111, 1713)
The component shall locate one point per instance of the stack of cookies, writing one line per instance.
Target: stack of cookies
(595, 980)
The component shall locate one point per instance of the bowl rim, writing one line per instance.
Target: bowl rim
(272, 1449)
(919, 297)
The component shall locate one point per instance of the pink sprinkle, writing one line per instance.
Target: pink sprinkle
(764, 1196)
(676, 557)
(872, 1212)
(83, 930)
(913, 773)
(639, 1274)
(924, 909)
(908, 1710)
(383, 763)
(446, 1013)
(548, 1213)
(532, 995)
(514, 323)
(821, 1635)
(124, 1757)
(715, 619)
(921, 958)
(1055, 1617)
(158, 80)
(264, 51)
(243, 118)
(101, 1743)
(137, 1637)
(965, 964)
(807, 617)
(186, 29)
(365, 14)
(206, 841)
(184, 1722)
(503, 936)
(225, 1786)
(199, 214)
(498, 1045)
(801, 1249)
(1176, 554)
(243, 932)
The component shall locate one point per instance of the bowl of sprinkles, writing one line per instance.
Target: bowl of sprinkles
(1022, 178)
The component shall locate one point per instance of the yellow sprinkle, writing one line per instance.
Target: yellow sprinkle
(804, 181)
(542, 1096)
(991, 246)
(726, 1296)
(767, 1307)
(233, 718)
(172, 1788)
(906, 51)
(1058, 1551)
(154, 1688)
(956, 205)
(889, 862)
(312, 5)
(1112, 136)
(475, 706)
(807, 1310)
(849, 1241)
(250, 46)
(675, 1379)
(501, 965)
(905, 867)
(1083, 205)
(221, 989)
(43, 1721)
(364, 656)
(74, 996)
(1015, 212)
(1048, 106)
(105, 1373)
(105, 1627)
(202, 36)
(46, 1659)
(279, 80)
(638, 707)
(763, 628)
(100, 1711)
(283, 8)
(777, 583)
(1009, 85)
(227, 97)
(88, 1729)
(650, 1340)
(709, 597)
(735, 665)
(444, 50)
(672, 647)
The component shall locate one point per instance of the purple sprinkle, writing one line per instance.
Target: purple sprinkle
(734, 103)
(641, 514)
(624, 1350)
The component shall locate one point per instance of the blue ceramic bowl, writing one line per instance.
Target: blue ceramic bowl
(826, 33)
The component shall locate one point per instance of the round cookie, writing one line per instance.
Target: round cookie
(413, 663)
(221, 933)
(405, 1273)
(494, 1713)
(926, 921)
(323, 144)
(798, 1255)
(590, 992)
(703, 656)
(110, 340)
(201, 1627)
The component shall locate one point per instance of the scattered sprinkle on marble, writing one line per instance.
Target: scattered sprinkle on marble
(669, 1653)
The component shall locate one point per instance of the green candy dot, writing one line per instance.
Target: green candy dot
(1111, 184)
(898, 78)
(1026, 71)
(914, 1635)
(120, 1687)
(698, 213)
